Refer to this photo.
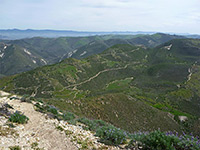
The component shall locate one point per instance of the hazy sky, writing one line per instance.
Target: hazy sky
(180, 16)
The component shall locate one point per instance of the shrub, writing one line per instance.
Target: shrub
(92, 124)
(107, 133)
(15, 148)
(111, 135)
(53, 110)
(165, 141)
(39, 107)
(68, 116)
(60, 128)
(25, 98)
(17, 117)
(34, 145)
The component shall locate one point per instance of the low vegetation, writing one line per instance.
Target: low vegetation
(15, 147)
(132, 87)
(164, 141)
(17, 117)
(111, 135)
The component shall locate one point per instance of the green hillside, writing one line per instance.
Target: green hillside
(96, 47)
(26, 54)
(129, 86)
(16, 59)
(45, 51)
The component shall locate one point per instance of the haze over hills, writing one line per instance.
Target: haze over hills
(25, 54)
(132, 87)
(13, 34)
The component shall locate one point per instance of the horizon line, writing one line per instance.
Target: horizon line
(128, 31)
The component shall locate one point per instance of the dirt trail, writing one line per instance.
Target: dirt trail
(42, 129)
(100, 72)
(45, 131)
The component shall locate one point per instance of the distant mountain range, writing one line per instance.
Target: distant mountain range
(12, 34)
(25, 54)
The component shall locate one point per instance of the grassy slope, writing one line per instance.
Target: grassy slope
(53, 50)
(136, 90)
(96, 47)
(16, 60)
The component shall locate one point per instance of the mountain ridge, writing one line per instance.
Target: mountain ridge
(45, 51)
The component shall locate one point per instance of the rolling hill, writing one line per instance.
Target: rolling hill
(27, 54)
(96, 47)
(132, 87)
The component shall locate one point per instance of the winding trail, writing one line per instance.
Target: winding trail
(100, 72)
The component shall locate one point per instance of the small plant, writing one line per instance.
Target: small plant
(34, 145)
(17, 117)
(25, 98)
(111, 135)
(73, 122)
(60, 128)
(92, 124)
(15, 148)
(39, 107)
(53, 110)
(68, 116)
(108, 134)
(68, 132)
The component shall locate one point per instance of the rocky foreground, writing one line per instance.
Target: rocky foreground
(41, 131)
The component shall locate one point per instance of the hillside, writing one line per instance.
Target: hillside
(129, 86)
(33, 124)
(96, 47)
(25, 54)
(41, 131)
(15, 59)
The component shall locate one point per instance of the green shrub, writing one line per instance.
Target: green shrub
(60, 128)
(25, 98)
(68, 116)
(15, 148)
(92, 124)
(73, 122)
(17, 117)
(53, 110)
(165, 141)
(34, 145)
(107, 133)
(111, 135)
(39, 107)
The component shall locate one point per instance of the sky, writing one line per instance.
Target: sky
(178, 16)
